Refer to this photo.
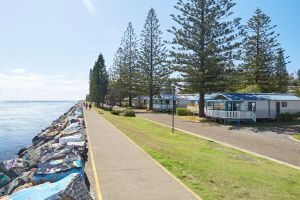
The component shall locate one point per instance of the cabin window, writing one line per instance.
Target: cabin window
(284, 104)
(219, 106)
(167, 102)
(252, 106)
(210, 105)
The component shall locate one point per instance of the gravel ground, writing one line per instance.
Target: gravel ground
(271, 142)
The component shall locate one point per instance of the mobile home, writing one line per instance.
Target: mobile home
(193, 101)
(252, 106)
(141, 102)
(163, 102)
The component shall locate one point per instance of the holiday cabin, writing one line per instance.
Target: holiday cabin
(163, 102)
(249, 107)
(141, 102)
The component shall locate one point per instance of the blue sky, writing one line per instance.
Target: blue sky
(47, 47)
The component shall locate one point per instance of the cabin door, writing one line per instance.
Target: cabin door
(236, 106)
(277, 108)
(233, 106)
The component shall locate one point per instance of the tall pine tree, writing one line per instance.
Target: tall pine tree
(204, 44)
(129, 71)
(90, 86)
(117, 78)
(95, 85)
(153, 56)
(103, 75)
(259, 52)
(115, 71)
(98, 82)
(281, 74)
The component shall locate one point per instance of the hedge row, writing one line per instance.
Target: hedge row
(183, 112)
(127, 113)
(286, 117)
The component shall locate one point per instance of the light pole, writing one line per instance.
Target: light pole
(173, 107)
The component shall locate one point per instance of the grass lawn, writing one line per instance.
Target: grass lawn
(211, 170)
(296, 136)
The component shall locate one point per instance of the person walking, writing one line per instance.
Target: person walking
(90, 106)
(86, 105)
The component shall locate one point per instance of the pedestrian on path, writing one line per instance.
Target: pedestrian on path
(90, 106)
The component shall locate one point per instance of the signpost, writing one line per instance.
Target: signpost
(173, 108)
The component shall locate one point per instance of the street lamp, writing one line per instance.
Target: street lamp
(173, 107)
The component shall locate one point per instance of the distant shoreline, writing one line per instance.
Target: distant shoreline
(22, 101)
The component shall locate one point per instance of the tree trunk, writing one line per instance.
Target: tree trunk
(151, 93)
(151, 101)
(202, 60)
(130, 73)
(130, 100)
(201, 104)
(151, 67)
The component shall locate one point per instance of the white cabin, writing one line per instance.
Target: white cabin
(141, 102)
(254, 105)
(163, 102)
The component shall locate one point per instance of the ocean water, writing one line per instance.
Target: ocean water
(20, 121)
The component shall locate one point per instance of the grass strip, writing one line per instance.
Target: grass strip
(211, 170)
(296, 136)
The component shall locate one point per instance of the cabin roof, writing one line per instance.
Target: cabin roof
(167, 96)
(142, 97)
(282, 97)
(187, 97)
(258, 97)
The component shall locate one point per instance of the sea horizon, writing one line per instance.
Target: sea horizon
(21, 120)
(39, 100)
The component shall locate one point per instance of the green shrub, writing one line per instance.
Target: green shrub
(128, 113)
(183, 112)
(106, 109)
(115, 112)
(286, 117)
(124, 104)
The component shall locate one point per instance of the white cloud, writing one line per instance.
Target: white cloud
(18, 84)
(89, 6)
(18, 70)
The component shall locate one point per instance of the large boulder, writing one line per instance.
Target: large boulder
(71, 187)
(14, 167)
(4, 180)
(25, 178)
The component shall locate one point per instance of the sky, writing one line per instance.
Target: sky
(47, 47)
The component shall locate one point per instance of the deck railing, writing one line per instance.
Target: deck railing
(231, 114)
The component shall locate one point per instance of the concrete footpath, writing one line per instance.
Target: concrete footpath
(270, 144)
(123, 170)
